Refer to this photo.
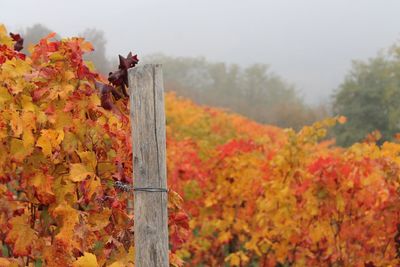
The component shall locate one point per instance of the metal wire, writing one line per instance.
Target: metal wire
(127, 188)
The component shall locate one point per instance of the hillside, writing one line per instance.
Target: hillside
(258, 195)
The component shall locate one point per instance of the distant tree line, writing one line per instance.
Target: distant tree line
(253, 91)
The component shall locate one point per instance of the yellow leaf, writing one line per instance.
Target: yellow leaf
(66, 89)
(7, 262)
(95, 100)
(3, 30)
(4, 262)
(28, 139)
(18, 150)
(88, 159)
(90, 65)
(4, 37)
(41, 117)
(4, 95)
(27, 104)
(50, 139)
(57, 56)
(87, 260)
(78, 172)
(29, 120)
(321, 230)
(125, 259)
(14, 68)
(237, 259)
(92, 185)
(340, 204)
(68, 75)
(99, 220)
(224, 237)
(44, 143)
(16, 123)
(65, 190)
(210, 202)
(43, 185)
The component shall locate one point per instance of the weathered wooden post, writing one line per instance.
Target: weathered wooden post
(149, 165)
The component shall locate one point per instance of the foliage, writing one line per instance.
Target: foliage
(98, 56)
(255, 195)
(283, 200)
(370, 99)
(63, 145)
(33, 34)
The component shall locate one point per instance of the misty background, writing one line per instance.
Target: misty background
(278, 62)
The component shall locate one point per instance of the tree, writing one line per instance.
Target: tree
(254, 91)
(370, 98)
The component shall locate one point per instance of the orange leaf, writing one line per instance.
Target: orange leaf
(68, 217)
(22, 236)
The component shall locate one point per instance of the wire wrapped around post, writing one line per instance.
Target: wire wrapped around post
(127, 188)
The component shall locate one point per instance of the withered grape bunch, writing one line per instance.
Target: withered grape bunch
(118, 80)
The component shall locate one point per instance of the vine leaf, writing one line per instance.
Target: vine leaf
(68, 218)
(79, 172)
(21, 235)
(19, 41)
(87, 260)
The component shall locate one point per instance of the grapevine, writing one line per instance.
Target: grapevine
(65, 140)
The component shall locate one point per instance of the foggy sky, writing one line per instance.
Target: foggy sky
(310, 43)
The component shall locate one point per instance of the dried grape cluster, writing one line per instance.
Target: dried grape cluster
(119, 81)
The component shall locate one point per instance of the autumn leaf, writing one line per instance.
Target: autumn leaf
(7, 262)
(88, 159)
(21, 235)
(55, 255)
(17, 150)
(4, 95)
(124, 258)
(43, 185)
(58, 146)
(79, 172)
(44, 143)
(49, 140)
(252, 193)
(99, 220)
(68, 218)
(87, 260)
(237, 259)
(19, 41)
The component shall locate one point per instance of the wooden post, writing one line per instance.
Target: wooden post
(149, 165)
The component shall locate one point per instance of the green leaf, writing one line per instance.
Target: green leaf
(38, 263)
(4, 251)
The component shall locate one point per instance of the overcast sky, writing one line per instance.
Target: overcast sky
(310, 43)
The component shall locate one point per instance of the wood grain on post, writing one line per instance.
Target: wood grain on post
(149, 165)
